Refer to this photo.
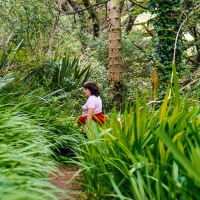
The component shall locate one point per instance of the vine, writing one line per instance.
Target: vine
(166, 22)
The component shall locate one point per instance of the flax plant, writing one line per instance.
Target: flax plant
(154, 154)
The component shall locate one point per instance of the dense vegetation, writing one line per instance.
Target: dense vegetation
(149, 149)
(153, 154)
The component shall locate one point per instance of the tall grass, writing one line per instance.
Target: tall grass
(47, 112)
(25, 158)
(33, 133)
(154, 155)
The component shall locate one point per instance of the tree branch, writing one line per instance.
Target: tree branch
(130, 20)
(189, 84)
(157, 102)
(176, 40)
(88, 7)
(139, 5)
(141, 49)
(94, 16)
(182, 24)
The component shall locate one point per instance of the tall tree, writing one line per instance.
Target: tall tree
(115, 51)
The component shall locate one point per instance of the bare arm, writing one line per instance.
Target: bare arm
(90, 113)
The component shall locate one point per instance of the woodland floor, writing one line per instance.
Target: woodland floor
(61, 179)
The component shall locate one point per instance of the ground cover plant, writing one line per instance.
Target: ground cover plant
(153, 154)
(47, 111)
(34, 136)
(47, 94)
(25, 158)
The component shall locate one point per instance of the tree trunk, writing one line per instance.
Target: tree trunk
(115, 54)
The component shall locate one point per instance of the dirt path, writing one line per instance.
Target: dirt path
(61, 181)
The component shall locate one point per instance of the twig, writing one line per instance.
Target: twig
(88, 7)
(154, 102)
(176, 40)
(139, 5)
(177, 35)
(157, 102)
(189, 84)
(75, 12)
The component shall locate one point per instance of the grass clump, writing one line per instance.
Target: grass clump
(25, 158)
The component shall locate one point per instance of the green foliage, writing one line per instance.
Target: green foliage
(49, 112)
(6, 80)
(67, 73)
(7, 55)
(29, 22)
(166, 23)
(154, 155)
(136, 66)
(25, 157)
(63, 75)
(131, 161)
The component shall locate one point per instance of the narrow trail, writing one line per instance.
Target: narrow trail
(61, 179)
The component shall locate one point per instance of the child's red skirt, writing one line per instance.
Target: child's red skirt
(100, 118)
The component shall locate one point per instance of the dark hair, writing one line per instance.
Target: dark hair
(94, 89)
